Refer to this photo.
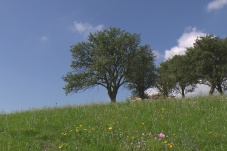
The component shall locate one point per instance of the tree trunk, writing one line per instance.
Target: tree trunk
(112, 94)
(165, 92)
(219, 88)
(211, 92)
(141, 94)
(112, 97)
(182, 92)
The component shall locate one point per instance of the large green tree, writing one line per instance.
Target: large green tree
(209, 56)
(103, 60)
(142, 74)
(181, 69)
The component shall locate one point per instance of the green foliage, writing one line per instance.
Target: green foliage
(209, 58)
(166, 80)
(112, 58)
(142, 74)
(180, 67)
(188, 124)
(204, 63)
(103, 60)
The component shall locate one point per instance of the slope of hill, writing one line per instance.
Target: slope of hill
(175, 124)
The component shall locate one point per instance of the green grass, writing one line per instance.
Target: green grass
(188, 125)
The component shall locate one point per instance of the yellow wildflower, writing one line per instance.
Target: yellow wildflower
(110, 128)
(60, 146)
(170, 145)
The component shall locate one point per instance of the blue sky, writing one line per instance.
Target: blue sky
(36, 35)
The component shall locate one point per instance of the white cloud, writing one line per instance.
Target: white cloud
(216, 4)
(86, 28)
(151, 91)
(200, 90)
(186, 40)
(157, 54)
(44, 38)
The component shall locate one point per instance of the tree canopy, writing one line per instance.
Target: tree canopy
(113, 57)
(166, 81)
(104, 60)
(142, 74)
(204, 63)
(209, 58)
(181, 68)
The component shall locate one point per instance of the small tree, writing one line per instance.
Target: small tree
(165, 81)
(142, 74)
(103, 60)
(181, 69)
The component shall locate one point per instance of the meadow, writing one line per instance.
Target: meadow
(192, 124)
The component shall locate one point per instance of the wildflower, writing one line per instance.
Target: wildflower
(60, 146)
(92, 128)
(142, 123)
(77, 130)
(162, 117)
(161, 135)
(85, 129)
(138, 145)
(170, 145)
(110, 128)
(165, 142)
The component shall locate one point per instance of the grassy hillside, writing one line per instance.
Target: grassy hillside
(188, 124)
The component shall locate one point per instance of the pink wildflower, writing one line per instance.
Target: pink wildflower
(161, 135)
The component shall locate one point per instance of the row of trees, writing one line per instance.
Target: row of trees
(113, 57)
(204, 63)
